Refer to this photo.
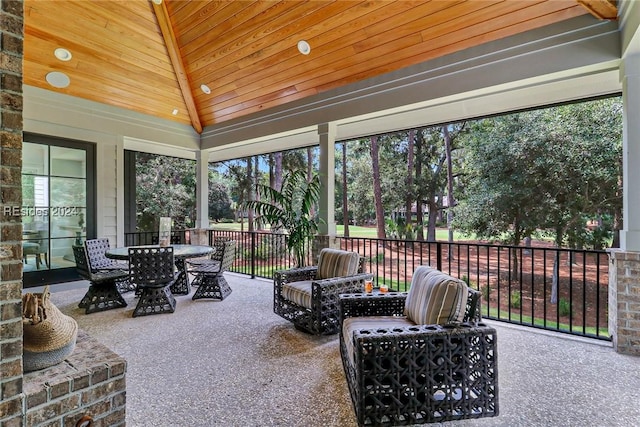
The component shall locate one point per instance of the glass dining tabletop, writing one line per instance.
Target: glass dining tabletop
(179, 251)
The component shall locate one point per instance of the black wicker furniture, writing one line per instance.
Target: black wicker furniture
(210, 275)
(152, 270)
(309, 296)
(180, 285)
(98, 262)
(103, 293)
(400, 372)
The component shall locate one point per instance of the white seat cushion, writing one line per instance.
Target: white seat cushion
(298, 292)
(352, 324)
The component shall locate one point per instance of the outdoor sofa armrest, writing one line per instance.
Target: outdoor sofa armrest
(358, 305)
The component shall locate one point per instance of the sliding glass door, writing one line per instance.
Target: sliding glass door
(57, 206)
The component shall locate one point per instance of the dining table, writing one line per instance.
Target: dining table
(180, 253)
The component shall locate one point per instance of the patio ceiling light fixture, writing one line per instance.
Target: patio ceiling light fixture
(62, 54)
(175, 112)
(205, 89)
(304, 47)
(58, 79)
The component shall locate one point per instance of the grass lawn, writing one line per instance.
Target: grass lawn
(354, 231)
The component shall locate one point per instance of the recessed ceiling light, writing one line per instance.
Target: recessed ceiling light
(175, 112)
(157, 1)
(62, 54)
(205, 89)
(304, 47)
(58, 79)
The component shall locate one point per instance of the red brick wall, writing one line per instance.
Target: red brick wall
(11, 379)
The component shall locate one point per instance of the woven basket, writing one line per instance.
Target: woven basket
(49, 336)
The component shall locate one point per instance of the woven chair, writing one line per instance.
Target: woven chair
(103, 293)
(214, 259)
(98, 262)
(309, 296)
(152, 270)
(210, 275)
(419, 357)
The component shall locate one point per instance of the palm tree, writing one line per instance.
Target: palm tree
(291, 209)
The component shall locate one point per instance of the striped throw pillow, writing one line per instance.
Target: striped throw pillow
(336, 263)
(435, 298)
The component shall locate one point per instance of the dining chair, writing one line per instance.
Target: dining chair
(209, 278)
(103, 293)
(98, 262)
(152, 270)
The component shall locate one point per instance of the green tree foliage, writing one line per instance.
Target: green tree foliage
(165, 186)
(548, 169)
(291, 208)
(219, 197)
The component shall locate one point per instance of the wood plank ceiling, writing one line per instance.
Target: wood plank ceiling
(153, 58)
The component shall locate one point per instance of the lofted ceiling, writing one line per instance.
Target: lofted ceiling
(153, 57)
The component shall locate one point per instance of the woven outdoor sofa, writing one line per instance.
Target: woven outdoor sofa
(419, 357)
(309, 296)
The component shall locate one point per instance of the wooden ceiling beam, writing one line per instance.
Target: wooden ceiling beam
(169, 36)
(601, 9)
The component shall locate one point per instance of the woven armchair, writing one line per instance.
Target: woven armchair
(309, 296)
(403, 372)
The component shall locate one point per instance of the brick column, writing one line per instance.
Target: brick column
(11, 38)
(624, 301)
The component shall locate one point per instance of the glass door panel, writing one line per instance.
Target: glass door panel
(54, 209)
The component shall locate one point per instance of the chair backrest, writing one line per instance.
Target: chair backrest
(435, 298)
(96, 249)
(218, 244)
(337, 263)
(82, 265)
(151, 266)
(228, 255)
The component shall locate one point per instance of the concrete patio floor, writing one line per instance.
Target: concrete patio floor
(235, 363)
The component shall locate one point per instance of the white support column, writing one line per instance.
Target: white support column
(202, 189)
(327, 135)
(630, 76)
(624, 263)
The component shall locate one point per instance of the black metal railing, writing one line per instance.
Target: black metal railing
(258, 254)
(139, 238)
(563, 290)
(543, 287)
(559, 289)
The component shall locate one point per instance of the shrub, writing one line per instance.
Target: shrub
(564, 307)
(515, 299)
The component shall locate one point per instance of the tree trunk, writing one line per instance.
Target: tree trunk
(309, 164)
(556, 268)
(272, 177)
(433, 218)
(250, 196)
(377, 189)
(418, 195)
(278, 171)
(409, 182)
(345, 208)
(448, 142)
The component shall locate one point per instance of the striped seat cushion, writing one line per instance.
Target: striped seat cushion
(435, 298)
(298, 292)
(352, 324)
(336, 263)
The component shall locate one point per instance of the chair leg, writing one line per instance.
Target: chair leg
(101, 297)
(213, 286)
(155, 301)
